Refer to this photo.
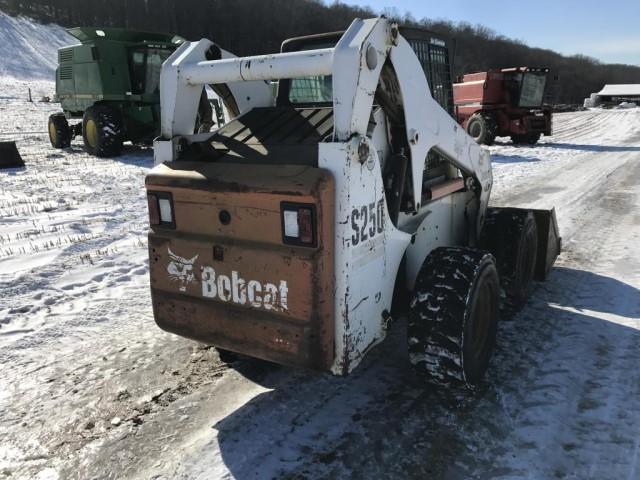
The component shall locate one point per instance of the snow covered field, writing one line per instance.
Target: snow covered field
(91, 388)
(28, 49)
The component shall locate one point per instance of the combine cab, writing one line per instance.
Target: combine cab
(503, 103)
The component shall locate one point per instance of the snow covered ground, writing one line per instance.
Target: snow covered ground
(91, 388)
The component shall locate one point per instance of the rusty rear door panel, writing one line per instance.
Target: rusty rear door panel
(228, 279)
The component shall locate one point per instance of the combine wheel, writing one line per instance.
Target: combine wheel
(483, 128)
(453, 316)
(533, 138)
(102, 131)
(511, 235)
(59, 131)
(530, 139)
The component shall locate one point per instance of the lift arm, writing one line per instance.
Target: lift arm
(355, 63)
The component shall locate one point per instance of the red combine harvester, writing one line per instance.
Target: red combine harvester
(503, 103)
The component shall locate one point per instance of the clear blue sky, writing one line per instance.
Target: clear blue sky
(608, 30)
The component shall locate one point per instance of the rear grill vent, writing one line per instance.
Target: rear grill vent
(66, 72)
(65, 56)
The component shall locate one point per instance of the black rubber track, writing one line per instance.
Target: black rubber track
(110, 130)
(444, 311)
(511, 235)
(62, 137)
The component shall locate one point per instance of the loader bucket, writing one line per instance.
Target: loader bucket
(549, 242)
(9, 155)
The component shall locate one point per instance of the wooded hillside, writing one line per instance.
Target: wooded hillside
(259, 26)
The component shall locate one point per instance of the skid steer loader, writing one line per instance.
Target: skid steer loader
(300, 229)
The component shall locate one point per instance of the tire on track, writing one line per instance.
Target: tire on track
(59, 131)
(102, 131)
(453, 316)
(511, 235)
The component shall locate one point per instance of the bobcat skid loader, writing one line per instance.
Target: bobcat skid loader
(297, 232)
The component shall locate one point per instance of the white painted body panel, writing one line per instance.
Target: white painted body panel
(365, 271)
(435, 128)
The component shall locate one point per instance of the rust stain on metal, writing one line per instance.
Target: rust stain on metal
(265, 298)
(348, 346)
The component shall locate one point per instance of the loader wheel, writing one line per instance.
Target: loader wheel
(102, 131)
(482, 127)
(511, 235)
(59, 131)
(453, 316)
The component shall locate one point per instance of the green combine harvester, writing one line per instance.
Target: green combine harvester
(112, 82)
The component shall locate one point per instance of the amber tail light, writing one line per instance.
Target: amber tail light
(298, 224)
(161, 209)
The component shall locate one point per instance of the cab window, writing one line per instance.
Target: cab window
(434, 58)
(439, 171)
(145, 65)
(137, 72)
(317, 89)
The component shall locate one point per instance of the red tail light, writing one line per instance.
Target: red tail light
(161, 209)
(154, 213)
(298, 224)
(305, 225)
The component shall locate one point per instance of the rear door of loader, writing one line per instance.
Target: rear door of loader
(241, 257)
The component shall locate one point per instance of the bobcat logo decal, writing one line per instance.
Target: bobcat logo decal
(181, 270)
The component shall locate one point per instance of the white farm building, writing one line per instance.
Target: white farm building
(615, 93)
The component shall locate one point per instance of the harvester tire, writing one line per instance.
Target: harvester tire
(453, 316)
(102, 131)
(483, 128)
(529, 139)
(511, 235)
(59, 131)
(533, 138)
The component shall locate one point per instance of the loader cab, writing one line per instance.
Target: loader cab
(434, 54)
(317, 92)
(307, 91)
(432, 51)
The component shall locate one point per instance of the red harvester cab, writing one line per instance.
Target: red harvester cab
(505, 103)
